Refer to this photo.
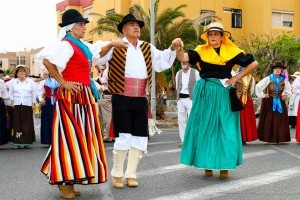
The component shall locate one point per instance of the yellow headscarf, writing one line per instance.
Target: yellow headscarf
(228, 49)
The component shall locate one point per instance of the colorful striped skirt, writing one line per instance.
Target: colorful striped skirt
(77, 153)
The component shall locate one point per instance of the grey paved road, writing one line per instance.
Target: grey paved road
(269, 172)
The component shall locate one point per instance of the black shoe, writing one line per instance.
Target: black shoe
(108, 140)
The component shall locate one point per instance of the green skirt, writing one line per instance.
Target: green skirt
(213, 136)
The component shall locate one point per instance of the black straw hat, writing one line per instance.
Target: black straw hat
(72, 16)
(129, 18)
(277, 64)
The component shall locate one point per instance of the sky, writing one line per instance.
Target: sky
(27, 24)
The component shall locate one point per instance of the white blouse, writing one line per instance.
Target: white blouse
(262, 85)
(22, 93)
(296, 86)
(60, 53)
(3, 91)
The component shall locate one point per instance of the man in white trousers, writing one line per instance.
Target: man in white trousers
(131, 62)
(185, 82)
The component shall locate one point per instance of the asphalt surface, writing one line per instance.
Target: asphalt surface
(269, 172)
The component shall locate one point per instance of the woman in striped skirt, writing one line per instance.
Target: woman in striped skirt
(76, 155)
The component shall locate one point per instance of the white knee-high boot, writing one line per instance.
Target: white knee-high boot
(117, 171)
(134, 157)
(118, 165)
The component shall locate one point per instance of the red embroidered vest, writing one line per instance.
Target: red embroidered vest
(77, 68)
(48, 91)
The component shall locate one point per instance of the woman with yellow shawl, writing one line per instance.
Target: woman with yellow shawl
(213, 136)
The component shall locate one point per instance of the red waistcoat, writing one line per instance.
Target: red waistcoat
(77, 69)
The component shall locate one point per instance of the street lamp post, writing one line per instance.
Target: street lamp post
(152, 30)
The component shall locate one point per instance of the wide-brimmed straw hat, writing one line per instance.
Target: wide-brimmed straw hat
(277, 64)
(129, 18)
(72, 16)
(215, 26)
(14, 71)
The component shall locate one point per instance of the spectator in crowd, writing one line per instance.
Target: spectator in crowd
(3, 122)
(245, 89)
(273, 125)
(22, 91)
(46, 95)
(186, 79)
(164, 95)
(9, 108)
(105, 101)
(294, 100)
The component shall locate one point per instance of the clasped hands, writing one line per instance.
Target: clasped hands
(177, 44)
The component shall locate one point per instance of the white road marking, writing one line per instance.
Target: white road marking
(173, 168)
(222, 189)
(258, 153)
(162, 152)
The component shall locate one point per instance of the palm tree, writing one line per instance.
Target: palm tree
(167, 27)
(109, 24)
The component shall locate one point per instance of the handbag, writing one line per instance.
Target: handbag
(236, 104)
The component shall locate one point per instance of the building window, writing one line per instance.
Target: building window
(207, 16)
(110, 12)
(12, 63)
(21, 60)
(282, 19)
(236, 18)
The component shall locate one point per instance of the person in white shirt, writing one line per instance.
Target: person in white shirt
(185, 82)
(131, 62)
(46, 95)
(294, 100)
(104, 102)
(4, 138)
(9, 108)
(22, 91)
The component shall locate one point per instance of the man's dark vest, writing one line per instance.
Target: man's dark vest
(116, 72)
